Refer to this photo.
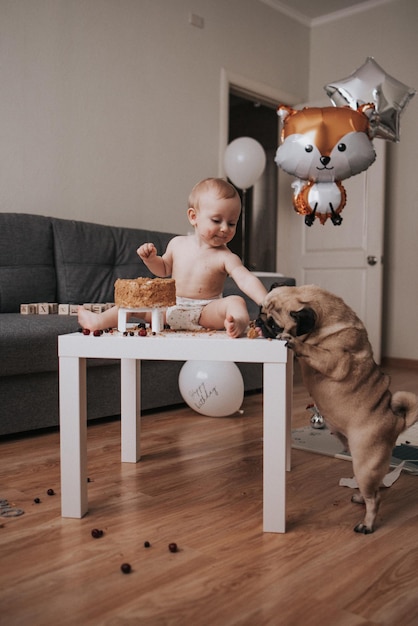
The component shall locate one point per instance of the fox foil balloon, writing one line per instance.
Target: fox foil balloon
(322, 146)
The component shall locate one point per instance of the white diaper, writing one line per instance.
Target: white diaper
(186, 313)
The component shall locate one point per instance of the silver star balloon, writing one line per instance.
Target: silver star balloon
(371, 84)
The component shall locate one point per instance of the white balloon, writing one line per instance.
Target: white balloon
(244, 161)
(213, 388)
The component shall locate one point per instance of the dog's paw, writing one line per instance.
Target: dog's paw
(293, 343)
(357, 498)
(363, 529)
(289, 339)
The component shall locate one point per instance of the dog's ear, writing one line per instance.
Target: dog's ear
(305, 320)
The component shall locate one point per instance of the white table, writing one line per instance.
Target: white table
(75, 348)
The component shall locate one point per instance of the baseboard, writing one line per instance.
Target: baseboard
(388, 361)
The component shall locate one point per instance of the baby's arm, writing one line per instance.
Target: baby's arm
(158, 265)
(248, 283)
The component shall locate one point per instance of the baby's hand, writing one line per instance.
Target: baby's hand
(147, 251)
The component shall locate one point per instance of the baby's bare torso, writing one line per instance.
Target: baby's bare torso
(199, 271)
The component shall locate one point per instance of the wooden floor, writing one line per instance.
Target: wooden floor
(199, 484)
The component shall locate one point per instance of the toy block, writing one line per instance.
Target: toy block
(73, 309)
(53, 308)
(27, 309)
(43, 308)
(63, 309)
(98, 307)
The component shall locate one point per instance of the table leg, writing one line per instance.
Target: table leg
(275, 453)
(289, 408)
(73, 436)
(130, 410)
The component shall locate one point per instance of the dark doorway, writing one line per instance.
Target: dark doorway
(249, 117)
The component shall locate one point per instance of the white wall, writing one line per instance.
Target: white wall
(387, 33)
(110, 109)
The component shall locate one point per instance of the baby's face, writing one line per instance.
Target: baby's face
(216, 219)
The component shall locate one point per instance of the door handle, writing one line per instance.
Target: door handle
(372, 260)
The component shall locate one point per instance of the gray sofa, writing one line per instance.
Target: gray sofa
(45, 259)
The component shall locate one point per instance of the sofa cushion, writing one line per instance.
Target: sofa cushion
(29, 343)
(27, 265)
(90, 257)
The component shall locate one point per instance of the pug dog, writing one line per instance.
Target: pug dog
(349, 389)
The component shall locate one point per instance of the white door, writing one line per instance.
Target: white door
(345, 259)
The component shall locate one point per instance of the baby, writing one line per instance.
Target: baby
(199, 264)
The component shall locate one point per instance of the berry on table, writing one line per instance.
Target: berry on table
(50, 492)
(96, 533)
(172, 547)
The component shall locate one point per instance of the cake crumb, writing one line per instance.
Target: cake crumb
(252, 332)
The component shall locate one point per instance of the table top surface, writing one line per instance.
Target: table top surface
(173, 345)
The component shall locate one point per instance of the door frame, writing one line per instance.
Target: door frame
(255, 90)
(252, 88)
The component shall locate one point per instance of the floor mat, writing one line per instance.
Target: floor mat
(321, 441)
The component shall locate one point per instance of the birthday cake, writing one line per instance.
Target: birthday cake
(144, 293)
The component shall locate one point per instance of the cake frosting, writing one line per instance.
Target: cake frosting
(137, 293)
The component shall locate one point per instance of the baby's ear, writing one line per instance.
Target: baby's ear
(191, 214)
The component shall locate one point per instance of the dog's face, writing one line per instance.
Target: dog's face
(284, 311)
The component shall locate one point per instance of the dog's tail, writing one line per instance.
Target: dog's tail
(405, 404)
